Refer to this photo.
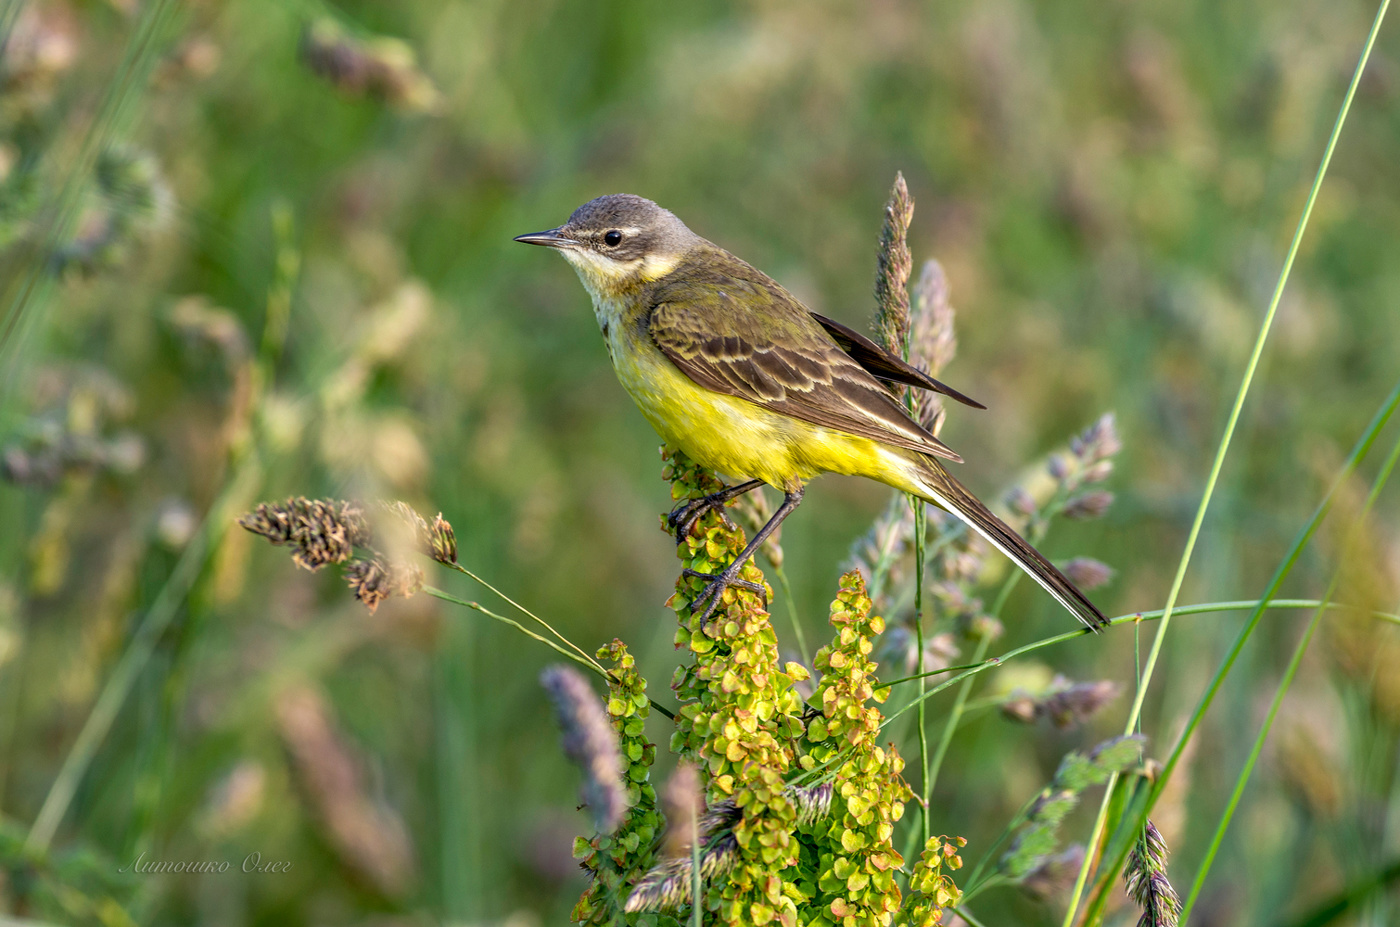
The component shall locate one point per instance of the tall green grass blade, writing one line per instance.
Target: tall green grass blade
(1357, 455)
(1287, 681)
(1223, 450)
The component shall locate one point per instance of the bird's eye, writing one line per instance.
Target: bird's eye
(613, 238)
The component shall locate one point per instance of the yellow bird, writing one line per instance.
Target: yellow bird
(729, 367)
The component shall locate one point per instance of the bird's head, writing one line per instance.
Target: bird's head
(619, 242)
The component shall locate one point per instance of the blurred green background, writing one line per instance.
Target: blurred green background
(259, 249)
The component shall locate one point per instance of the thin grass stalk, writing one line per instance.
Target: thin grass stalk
(579, 654)
(925, 780)
(1286, 682)
(1202, 609)
(1255, 355)
(570, 654)
(925, 675)
(967, 915)
(817, 773)
(1358, 454)
(955, 714)
(477, 606)
(974, 883)
(697, 899)
(247, 474)
(1351, 896)
(959, 705)
(786, 588)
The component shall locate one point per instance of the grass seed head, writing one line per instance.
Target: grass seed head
(590, 742)
(1087, 573)
(1148, 885)
(321, 531)
(892, 277)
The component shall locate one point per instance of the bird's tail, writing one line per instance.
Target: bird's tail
(939, 487)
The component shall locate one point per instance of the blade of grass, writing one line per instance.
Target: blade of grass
(1336, 907)
(1356, 534)
(1358, 453)
(247, 475)
(817, 773)
(932, 767)
(955, 714)
(1250, 368)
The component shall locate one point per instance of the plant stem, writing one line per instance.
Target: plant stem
(697, 898)
(966, 915)
(582, 656)
(591, 664)
(926, 779)
(802, 650)
(1236, 606)
(1219, 462)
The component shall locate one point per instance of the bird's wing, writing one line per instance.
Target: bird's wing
(884, 365)
(750, 338)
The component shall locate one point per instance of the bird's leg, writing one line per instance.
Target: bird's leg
(709, 596)
(684, 516)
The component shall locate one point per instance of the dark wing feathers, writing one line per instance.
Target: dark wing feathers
(741, 334)
(884, 365)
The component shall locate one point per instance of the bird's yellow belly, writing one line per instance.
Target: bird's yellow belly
(740, 438)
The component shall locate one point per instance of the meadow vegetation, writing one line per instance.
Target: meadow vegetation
(256, 269)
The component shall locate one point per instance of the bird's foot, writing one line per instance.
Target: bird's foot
(709, 598)
(684, 516)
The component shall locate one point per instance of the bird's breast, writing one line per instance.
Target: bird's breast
(724, 433)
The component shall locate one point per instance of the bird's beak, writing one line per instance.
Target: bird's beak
(554, 238)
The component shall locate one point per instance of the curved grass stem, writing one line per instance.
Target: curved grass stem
(571, 654)
(579, 654)
(1204, 608)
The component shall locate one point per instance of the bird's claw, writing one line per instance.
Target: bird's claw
(710, 596)
(684, 516)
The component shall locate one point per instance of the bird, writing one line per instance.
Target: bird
(736, 372)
